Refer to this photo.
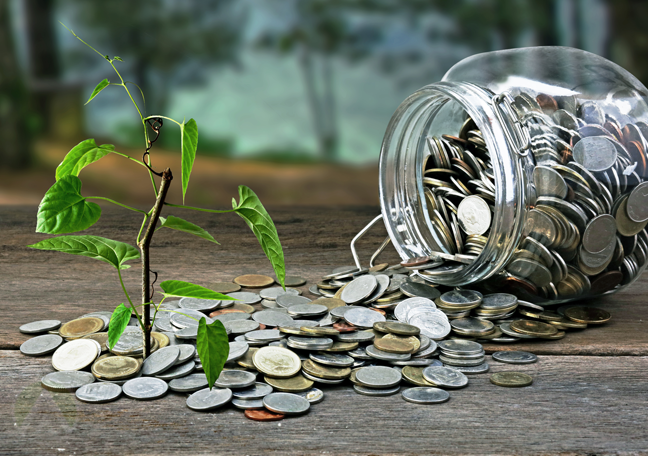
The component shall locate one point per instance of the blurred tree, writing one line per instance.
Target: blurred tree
(15, 146)
(162, 41)
(629, 43)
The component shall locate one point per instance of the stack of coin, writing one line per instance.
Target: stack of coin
(459, 353)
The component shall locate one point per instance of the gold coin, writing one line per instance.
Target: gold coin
(81, 327)
(290, 385)
(352, 377)
(321, 371)
(292, 330)
(244, 307)
(534, 328)
(320, 331)
(588, 315)
(558, 335)
(393, 343)
(391, 297)
(115, 368)
(550, 316)
(625, 225)
(162, 339)
(247, 359)
(339, 346)
(393, 327)
(254, 281)
(414, 375)
(496, 334)
(338, 293)
(511, 379)
(101, 337)
(105, 355)
(277, 362)
(531, 313)
(569, 324)
(329, 303)
(224, 287)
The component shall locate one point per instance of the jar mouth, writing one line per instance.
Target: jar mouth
(437, 109)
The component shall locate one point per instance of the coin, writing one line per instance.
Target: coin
(307, 310)
(415, 289)
(433, 325)
(237, 327)
(187, 384)
(224, 287)
(470, 370)
(75, 355)
(272, 318)
(636, 206)
(320, 331)
(245, 297)
(376, 353)
(254, 281)
(515, 357)
(459, 346)
(99, 393)
(392, 343)
(474, 215)
(310, 343)
(247, 404)
(511, 379)
(445, 377)
(264, 335)
(81, 327)
(359, 289)
(595, 153)
(41, 345)
(257, 391)
(188, 317)
(145, 388)
(313, 395)
(162, 339)
(600, 232)
(425, 395)
(589, 315)
(366, 391)
(356, 336)
(161, 360)
(294, 281)
(40, 326)
(274, 292)
(332, 359)
(263, 415)
(294, 384)
(414, 375)
(209, 399)
(326, 372)
(533, 328)
(232, 378)
(362, 317)
(177, 371)
(201, 305)
(287, 301)
(625, 225)
(549, 182)
(115, 368)
(66, 381)
(378, 377)
(394, 327)
(286, 403)
(277, 362)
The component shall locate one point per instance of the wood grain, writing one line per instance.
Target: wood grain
(583, 405)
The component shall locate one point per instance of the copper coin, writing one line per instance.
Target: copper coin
(224, 311)
(606, 281)
(418, 261)
(254, 281)
(344, 327)
(547, 103)
(263, 415)
(380, 311)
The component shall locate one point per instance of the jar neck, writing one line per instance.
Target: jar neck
(427, 112)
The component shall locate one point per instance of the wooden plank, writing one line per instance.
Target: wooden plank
(584, 405)
(39, 285)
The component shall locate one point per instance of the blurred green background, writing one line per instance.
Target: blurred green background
(291, 97)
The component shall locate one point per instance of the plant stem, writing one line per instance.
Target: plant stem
(118, 204)
(142, 227)
(129, 299)
(199, 208)
(144, 245)
(163, 117)
(129, 157)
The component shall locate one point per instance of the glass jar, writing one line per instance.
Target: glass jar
(522, 171)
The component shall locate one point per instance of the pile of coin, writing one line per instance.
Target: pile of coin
(584, 230)
(378, 328)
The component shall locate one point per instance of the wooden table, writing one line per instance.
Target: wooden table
(589, 396)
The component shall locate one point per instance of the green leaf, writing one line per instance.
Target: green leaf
(117, 58)
(213, 348)
(82, 155)
(258, 219)
(118, 322)
(176, 223)
(64, 210)
(102, 85)
(189, 145)
(180, 289)
(99, 248)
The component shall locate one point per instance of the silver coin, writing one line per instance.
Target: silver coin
(187, 352)
(245, 297)
(356, 336)
(415, 289)
(264, 335)
(272, 318)
(99, 393)
(474, 215)
(637, 207)
(307, 310)
(515, 357)
(76, 355)
(549, 182)
(188, 333)
(460, 346)
(273, 293)
(324, 381)
(121, 382)
(313, 289)
(41, 345)
(232, 316)
(206, 399)
(383, 282)
(472, 326)
(247, 404)
(425, 395)
(365, 391)
(286, 403)
(313, 395)
(433, 325)
(359, 353)
(201, 305)
(287, 301)
(235, 379)
(310, 343)
(533, 270)
(268, 304)
(161, 360)
(130, 342)
(449, 361)
(177, 371)
(416, 362)
(299, 323)
(339, 312)
(237, 350)
(41, 326)
(163, 324)
(600, 232)
(426, 342)
(363, 318)
(187, 384)
(470, 370)
(188, 317)
(332, 359)
(445, 377)
(595, 153)
(238, 327)
(378, 377)
(257, 391)
(496, 301)
(66, 381)
(506, 329)
(401, 310)
(421, 310)
(145, 388)
(359, 289)
(386, 356)
(427, 352)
